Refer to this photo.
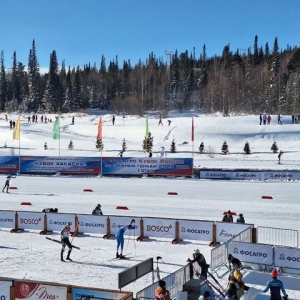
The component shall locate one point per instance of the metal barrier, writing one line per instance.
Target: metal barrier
(277, 236)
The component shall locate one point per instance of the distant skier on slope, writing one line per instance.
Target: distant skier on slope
(8, 178)
(66, 231)
(279, 156)
(120, 237)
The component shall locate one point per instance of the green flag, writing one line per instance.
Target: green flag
(56, 131)
(147, 129)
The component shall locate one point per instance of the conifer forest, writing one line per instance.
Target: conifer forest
(254, 80)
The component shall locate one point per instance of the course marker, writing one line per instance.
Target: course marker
(26, 203)
(122, 207)
(173, 193)
(266, 197)
(87, 190)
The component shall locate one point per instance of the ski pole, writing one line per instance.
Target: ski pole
(74, 233)
(128, 240)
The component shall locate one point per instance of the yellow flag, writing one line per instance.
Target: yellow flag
(16, 133)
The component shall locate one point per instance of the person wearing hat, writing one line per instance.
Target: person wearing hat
(120, 237)
(200, 259)
(240, 219)
(279, 155)
(234, 263)
(65, 233)
(97, 211)
(275, 286)
(228, 217)
(161, 293)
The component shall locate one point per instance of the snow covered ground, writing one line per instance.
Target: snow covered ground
(29, 255)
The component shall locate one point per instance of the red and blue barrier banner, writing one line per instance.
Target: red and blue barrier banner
(147, 165)
(9, 164)
(66, 165)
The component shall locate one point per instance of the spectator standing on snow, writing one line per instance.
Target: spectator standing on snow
(240, 219)
(228, 217)
(160, 121)
(65, 241)
(279, 156)
(169, 122)
(279, 119)
(275, 286)
(265, 118)
(260, 119)
(120, 237)
(269, 119)
(200, 259)
(113, 119)
(97, 210)
(10, 124)
(6, 185)
(73, 120)
(161, 292)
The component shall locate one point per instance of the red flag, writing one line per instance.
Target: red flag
(99, 136)
(192, 129)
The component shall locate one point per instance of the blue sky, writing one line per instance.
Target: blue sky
(81, 31)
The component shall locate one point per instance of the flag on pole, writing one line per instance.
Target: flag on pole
(56, 129)
(192, 129)
(99, 136)
(147, 129)
(16, 133)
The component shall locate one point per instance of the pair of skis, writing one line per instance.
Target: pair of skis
(59, 242)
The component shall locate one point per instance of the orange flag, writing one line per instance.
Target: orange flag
(99, 136)
(192, 129)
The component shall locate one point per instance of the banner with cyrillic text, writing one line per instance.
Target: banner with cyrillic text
(116, 222)
(9, 164)
(196, 230)
(92, 224)
(226, 231)
(252, 253)
(287, 257)
(7, 219)
(56, 222)
(5, 290)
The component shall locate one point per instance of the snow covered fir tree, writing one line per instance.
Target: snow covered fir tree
(225, 148)
(99, 145)
(247, 148)
(148, 143)
(173, 146)
(201, 147)
(71, 145)
(274, 147)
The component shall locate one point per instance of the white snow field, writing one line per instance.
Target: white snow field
(29, 255)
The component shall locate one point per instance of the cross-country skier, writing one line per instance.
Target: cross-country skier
(275, 286)
(234, 263)
(8, 178)
(66, 231)
(161, 292)
(279, 156)
(200, 259)
(120, 237)
(97, 210)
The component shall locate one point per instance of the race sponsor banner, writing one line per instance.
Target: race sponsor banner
(63, 164)
(226, 231)
(92, 224)
(31, 220)
(116, 222)
(252, 253)
(159, 227)
(7, 219)
(195, 230)
(277, 175)
(229, 175)
(150, 166)
(85, 294)
(287, 257)
(37, 291)
(5, 290)
(56, 222)
(9, 164)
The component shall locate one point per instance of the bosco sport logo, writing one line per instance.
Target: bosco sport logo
(157, 228)
(30, 221)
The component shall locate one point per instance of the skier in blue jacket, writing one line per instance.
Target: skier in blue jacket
(275, 286)
(8, 178)
(120, 237)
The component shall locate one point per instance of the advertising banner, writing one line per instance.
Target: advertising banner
(5, 290)
(37, 291)
(226, 231)
(287, 257)
(161, 228)
(252, 253)
(84, 294)
(195, 230)
(116, 222)
(277, 175)
(92, 224)
(7, 219)
(56, 222)
(147, 165)
(9, 164)
(66, 165)
(31, 220)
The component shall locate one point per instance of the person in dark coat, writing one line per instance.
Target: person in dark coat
(275, 286)
(161, 292)
(228, 217)
(240, 219)
(65, 241)
(234, 263)
(200, 259)
(97, 210)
